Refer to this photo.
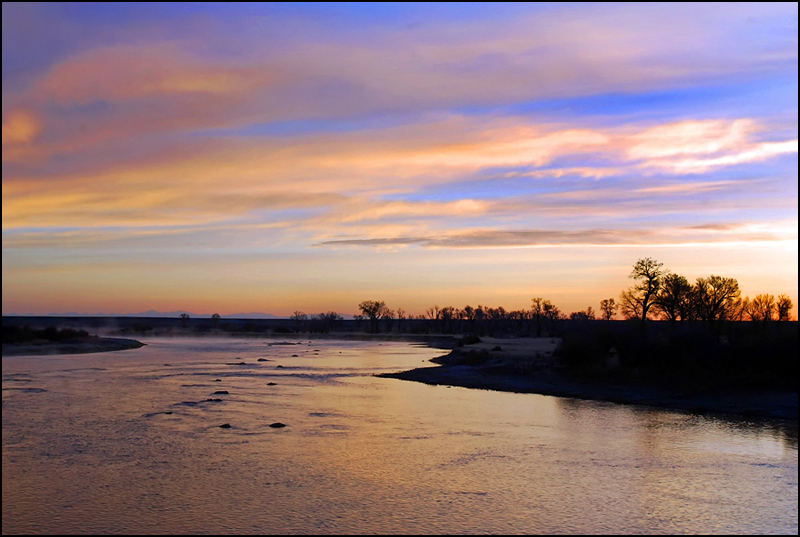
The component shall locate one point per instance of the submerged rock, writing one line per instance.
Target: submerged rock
(277, 425)
(262, 360)
(272, 383)
(225, 426)
(220, 392)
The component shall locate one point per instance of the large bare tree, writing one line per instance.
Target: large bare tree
(637, 300)
(761, 308)
(375, 310)
(784, 307)
(717, 298)
(674, 298)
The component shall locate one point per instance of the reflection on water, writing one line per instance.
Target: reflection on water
(130, 442)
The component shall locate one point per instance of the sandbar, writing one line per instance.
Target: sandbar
(88, 345)
(527, 365)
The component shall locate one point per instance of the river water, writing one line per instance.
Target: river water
(127, 442)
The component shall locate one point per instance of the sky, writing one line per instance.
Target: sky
(279, 157)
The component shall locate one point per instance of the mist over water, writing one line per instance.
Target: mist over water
(129, 442)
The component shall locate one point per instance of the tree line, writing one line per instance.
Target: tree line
(657, 294)
(661, 294)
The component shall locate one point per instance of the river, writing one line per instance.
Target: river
(128, 442)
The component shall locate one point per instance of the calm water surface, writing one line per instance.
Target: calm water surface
(127, 442)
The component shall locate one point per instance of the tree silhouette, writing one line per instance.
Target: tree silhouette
(326, 322)
(387, 315)
(184, 319)
(637, 301)
(375, 310)
(401, 318)
(537, 314)
(674, 298)
(469, 315)
(433, 314)
(215, 319)
(299, 319)
(784, 307)
(587, 315)
(761, 308)
(447, 315)
(717, 298)
(551, 316)
(609, 308)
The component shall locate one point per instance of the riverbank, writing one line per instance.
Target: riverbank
(527, 365)
(85, 346)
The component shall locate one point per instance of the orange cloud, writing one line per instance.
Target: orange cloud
(19, 127)
(247, 177)
(134, 72)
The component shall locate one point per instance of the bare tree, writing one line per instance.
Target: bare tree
(784, 307)
(373, 309)
(480, 315)
(469, 316)
(388, 317)
(552, 315)
(401, 319)
(674, 298)
(587, 315)
(327, 322)
(761, 308)
(299, 319)
(215, 320)
(460, 316)
(433, 314)
(717, 298)
(537, 314)
(497, 318)
(447, 315)
(637, 301)
(184, 319)
(609, 308)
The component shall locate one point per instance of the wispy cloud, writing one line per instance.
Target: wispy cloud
(589, 237)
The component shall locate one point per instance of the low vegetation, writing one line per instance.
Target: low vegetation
(15, 335)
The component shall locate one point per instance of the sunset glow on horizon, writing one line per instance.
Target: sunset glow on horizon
(277, 157)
